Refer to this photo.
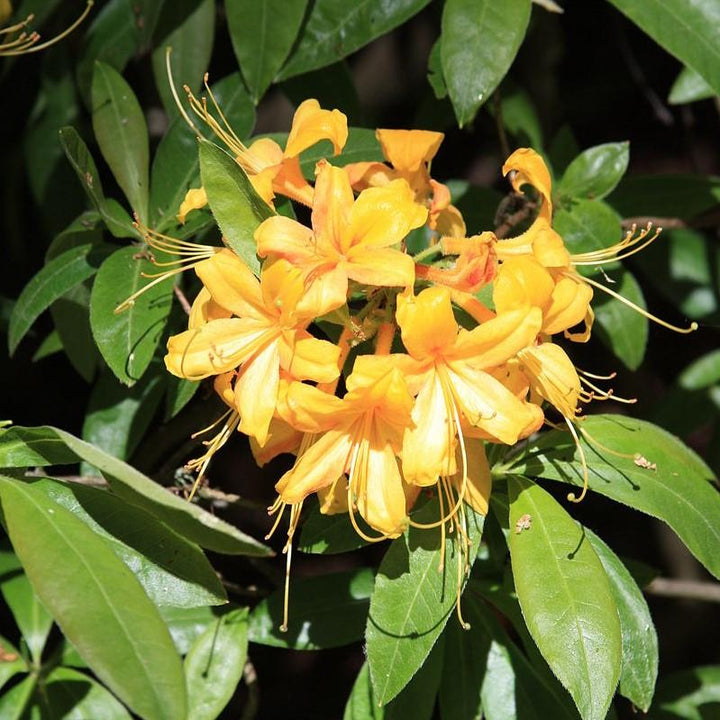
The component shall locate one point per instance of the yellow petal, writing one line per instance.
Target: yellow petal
(327, 291)
(223, 386)
(287, 238)
(204, 309)
(291, 182)
(553, 376)
(522, 281)
(530, 169)
(282, 438)
(309, 358)
(450, 223)
(407, 150)
(363, 175)
(256, 392)
(232, 284)
(479, 483)
(548, 247)
(282, 286)
(383, 216)
(333, 499)
(195, 198)
(379, 266)
(311, 124)
(427, 322)
(331, 205)
(216, 347)
(308, 409)
(569, 305)
(263, 184)
(263, 153)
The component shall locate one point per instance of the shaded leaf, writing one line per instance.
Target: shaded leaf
(689, 87)
(11, 663)
(329, 534)
(596, 171)
(186, 625)
(478, 44)
(688, 695)
(15, 700)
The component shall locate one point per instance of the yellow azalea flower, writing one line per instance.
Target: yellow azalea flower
(16, 41)
(448, 368)
(349, 238)
(362, 438)
(410, 153)
(271, 169)
(266, 332)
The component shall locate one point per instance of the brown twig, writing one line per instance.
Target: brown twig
(218, 497)
(180, 295)
(686, 589)
(89, 480)
(667, 223)
(251, 682)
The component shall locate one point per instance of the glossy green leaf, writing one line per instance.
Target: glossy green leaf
(179, 394)
(71, 316)
(702, 373)
(190, 35)
(15, 700)
(689, 87)
(260, 42)
(127, 340)
(176, 165)
(435, 72)
(361, 704)
(566, 598)
(116, 628)
(186, 625)
(238, 209)
(214, 665)
(41, 446)
(362, 145)
(686, 30)
(117, 417)
(325, 611)
(676, 196)
(11, 662)
(622, 329)
(688, 695)
(639, 667)
(596, 172)
(31, 617)
(122, 135)
(335, 28)
(329, 534)
(677, 490)
(519, 115)
(413, 600)
(82, 162)
(83, 230)
(67, 694)
(171, 570)
(478, 44)
(57, 277)
(587, 225)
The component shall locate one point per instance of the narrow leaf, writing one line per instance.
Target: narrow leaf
(479, 41)
(214, 665)
(565, 597)
(121, 132)
(115, 628)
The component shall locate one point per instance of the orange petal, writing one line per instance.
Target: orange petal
(333, 499)
(308, 409)
(569, 305)
(232, 284)
(256, 392)
(427, 322)
(223, 386)
(311, 124)
(331, 205)
(291, 183)
(407, 150)
(286, 238)
(263, 153)
(363, 175)
(195, 198)
(309, 358)
(522, 281)
(530, 169)
(282, 286)
(479, 483)
(383, 216)
(379, 266)
(327, 291)
(450, 223)
(204, 309)
(553, 376)
(282, 438)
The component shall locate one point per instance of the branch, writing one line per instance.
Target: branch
(251, 682)
(687, 589)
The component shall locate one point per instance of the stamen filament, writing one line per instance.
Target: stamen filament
(571, 496)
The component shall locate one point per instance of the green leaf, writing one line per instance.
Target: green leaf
(688, 695)
(57, 277)
(478, 44)
(31, 617)
(435, 72)
(596, 172)
(622, 329)
(676, 491)
(116, 628)
(689, 87)
(587, 225)
(325, 612)
(190, 35)
(413, 600)
(565, 597)
(176, 166)
(214, 665)
(329, 534)
(122, 135)
(15, 700)
(67, 694)
(361, 146)
(238, 209)
(686, 30)
(11, 662)
(117, 417)
(677, 196)
(118, 223)
(127, 340)
(25, 447)
(186, 625)
(702, 373)
(519, 115)
(335, 28)
(179, 393)
(361, 704)
(171, 570)
(260, 42)
(639, 667)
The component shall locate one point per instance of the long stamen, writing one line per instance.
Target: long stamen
(684, 331)
(571, 496)
(600, 394)
(620, 250)
(34, 37)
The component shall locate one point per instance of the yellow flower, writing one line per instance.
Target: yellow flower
(271, 169)
(349, 238)
(265, 333)
(410, 153)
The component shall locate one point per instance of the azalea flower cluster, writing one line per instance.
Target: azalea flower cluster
(383, 372)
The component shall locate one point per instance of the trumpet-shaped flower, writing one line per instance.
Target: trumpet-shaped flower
(350, 238)
(410, 153)
(265, 332)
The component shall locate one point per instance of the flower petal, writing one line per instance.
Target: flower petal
(204, 309)
(408, 150)
(331, 205)
(530, 169)
(286, 238)
(308, 409)
(363, 175)
(522, 281)
(256, 392)
(308, 358)
(553, 376)
(385, 267)
(427, 322)
(311, 124)
(282, 438)
(195, 198)
(327, 291)
(479, 483)
(568, 306)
